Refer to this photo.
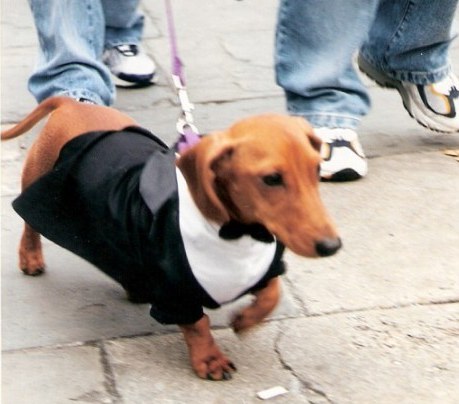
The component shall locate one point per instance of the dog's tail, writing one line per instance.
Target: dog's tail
(42, 110)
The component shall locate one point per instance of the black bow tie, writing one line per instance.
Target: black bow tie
(233, 230)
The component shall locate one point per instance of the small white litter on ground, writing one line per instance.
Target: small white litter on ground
(272, 392)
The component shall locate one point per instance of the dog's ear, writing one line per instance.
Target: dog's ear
(315, 141)
(198, 165)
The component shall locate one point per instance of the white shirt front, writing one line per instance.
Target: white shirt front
(224, 268)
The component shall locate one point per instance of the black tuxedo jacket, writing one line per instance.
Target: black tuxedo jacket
(112, 199)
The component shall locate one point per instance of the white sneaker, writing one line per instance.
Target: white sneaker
(130, 66)
(435, 106)
(342, 155)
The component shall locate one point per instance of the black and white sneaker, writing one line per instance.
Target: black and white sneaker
(435, 106)
(130, 66)
(342, 155)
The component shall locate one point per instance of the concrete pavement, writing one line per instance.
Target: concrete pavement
(378, 323)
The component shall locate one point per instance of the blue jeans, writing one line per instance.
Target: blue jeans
(316, 40)
(73, 35)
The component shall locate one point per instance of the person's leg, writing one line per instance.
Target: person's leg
(408, 49)
(123, 22)
(315, 44)
(129, 64)
(71, 39)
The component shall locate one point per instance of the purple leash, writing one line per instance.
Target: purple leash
(188, 133)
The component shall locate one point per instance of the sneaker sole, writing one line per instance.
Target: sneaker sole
(387, 82)
(121, 82)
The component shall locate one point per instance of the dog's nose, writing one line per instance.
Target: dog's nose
(328, 246)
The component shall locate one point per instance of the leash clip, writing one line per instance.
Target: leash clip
(189, 134)
(186, 120)
(183, 124)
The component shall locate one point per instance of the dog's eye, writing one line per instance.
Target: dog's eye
(273, 180)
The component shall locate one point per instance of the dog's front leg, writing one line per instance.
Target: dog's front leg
(206, 358)
(265, 301)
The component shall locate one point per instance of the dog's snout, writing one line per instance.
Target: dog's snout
(328, 246)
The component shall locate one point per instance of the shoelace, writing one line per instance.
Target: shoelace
(128, 49)
(454, 92)
(448, 86)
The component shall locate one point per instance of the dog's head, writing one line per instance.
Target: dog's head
(264, 169)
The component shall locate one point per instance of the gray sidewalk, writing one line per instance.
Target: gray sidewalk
(378, 323)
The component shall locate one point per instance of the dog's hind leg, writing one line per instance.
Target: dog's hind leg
(31, 260)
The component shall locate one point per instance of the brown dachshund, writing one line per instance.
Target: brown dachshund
(258, 178)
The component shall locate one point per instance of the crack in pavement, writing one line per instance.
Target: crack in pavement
(305, 383)
(394, 306)
(109, 375)
(96, 342)
(296, 296)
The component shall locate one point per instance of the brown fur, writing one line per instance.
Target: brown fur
(226, 175)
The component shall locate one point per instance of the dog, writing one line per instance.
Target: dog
(178, 232)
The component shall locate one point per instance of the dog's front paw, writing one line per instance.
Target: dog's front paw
(212, 364)
(245, 319)
(206, 358)
(265, 301)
